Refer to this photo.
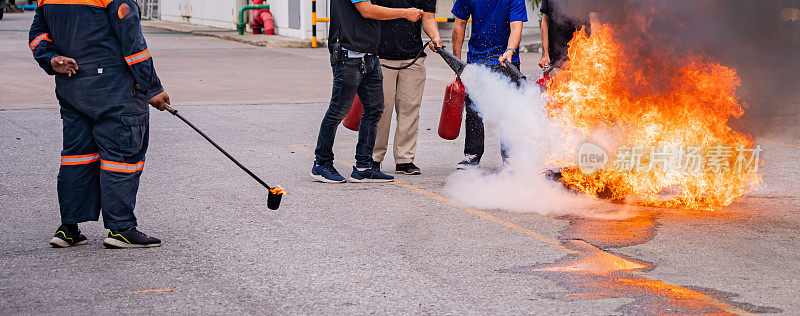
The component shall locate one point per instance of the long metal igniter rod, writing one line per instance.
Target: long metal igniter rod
(175, 112)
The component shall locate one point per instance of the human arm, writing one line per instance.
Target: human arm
(376, 12)
(44, 50)
(545, 61)
(459, 31)
(124, 18)
(517, 15)
(431, 28)
(462, 10)
(513, 42)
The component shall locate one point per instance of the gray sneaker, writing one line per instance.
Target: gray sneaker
(469, 162)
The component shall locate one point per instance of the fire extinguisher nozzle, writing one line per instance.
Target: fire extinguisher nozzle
(456, 64)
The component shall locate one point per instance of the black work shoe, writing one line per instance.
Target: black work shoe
(130, 238)
(67, 237)
(376, 165)
(407, 168)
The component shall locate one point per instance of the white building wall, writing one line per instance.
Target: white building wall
(280, 11)
(224, 14)
(215, 13)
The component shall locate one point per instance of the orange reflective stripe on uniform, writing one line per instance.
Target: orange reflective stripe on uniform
(42, 37)
(121, 166)
(138, 57)
(94, 3)
(79, 159)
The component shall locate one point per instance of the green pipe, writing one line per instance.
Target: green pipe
(240, 26)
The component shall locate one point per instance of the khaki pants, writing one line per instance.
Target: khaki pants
(402, 93)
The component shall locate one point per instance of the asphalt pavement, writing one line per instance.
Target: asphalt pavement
(398, 248)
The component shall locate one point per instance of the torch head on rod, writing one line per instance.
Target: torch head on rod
(274, 197)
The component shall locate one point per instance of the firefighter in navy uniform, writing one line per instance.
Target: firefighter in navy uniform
(104, 80)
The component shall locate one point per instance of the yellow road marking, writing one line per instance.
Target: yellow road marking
(547, 240)
(476, 212)
(779, 143)
(486, 216)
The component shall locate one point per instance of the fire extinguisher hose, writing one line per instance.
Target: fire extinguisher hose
(419, 54)
(508, 65)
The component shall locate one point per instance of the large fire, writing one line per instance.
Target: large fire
(652, 106)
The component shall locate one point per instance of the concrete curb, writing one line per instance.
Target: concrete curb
(272, 41)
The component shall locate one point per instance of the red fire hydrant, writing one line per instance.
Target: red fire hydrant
(262, 19)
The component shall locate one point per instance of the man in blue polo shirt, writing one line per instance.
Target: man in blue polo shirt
(496, 34)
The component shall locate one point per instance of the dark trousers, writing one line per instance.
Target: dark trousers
(353, 76)
(474, 138)
(106, 131)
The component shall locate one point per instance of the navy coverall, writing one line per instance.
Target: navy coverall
(103, 107)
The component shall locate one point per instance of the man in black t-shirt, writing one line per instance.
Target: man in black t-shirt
(558, 28)
(401, 42)
(353, 43)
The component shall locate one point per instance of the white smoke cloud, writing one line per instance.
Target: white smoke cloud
(518, 115)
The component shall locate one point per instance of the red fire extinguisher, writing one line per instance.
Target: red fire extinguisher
(452, 110)
(353, 119)
(543, 81)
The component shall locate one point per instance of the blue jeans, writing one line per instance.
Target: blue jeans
(351, 76)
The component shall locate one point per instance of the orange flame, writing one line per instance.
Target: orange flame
(607, 86)
(277, 190)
